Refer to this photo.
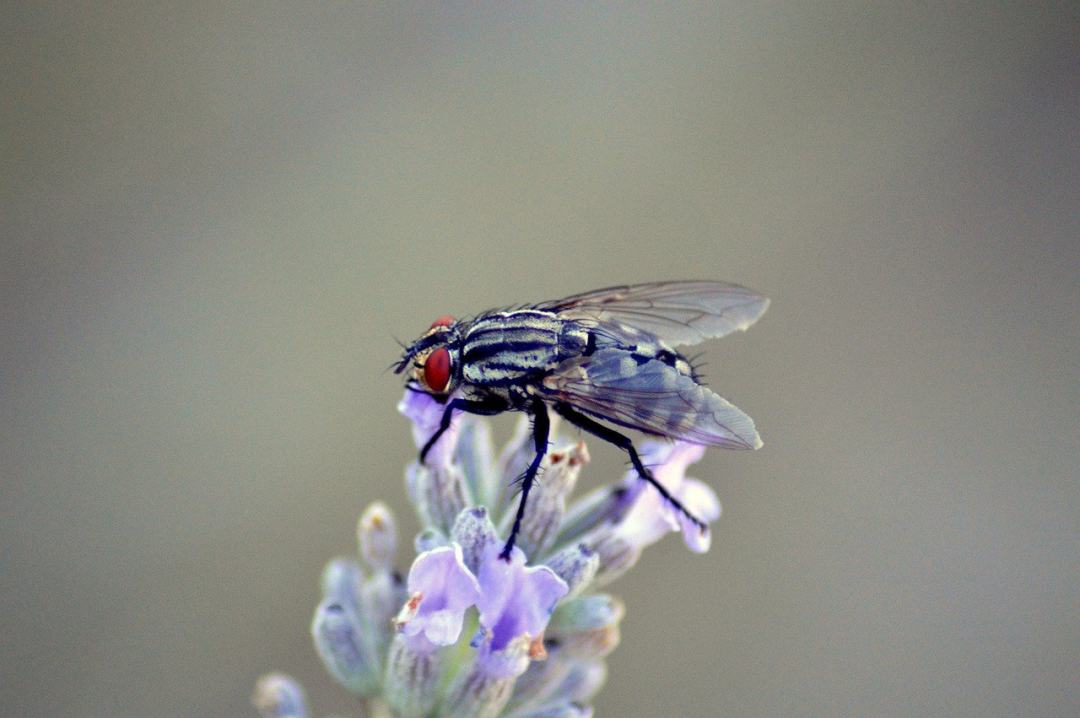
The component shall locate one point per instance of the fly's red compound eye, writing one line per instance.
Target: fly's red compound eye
(443, 321)
(437, 369)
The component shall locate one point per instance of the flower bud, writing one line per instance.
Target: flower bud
(341, 582)
(413, 676)
(520, 450)
(474, 531)
(478, 693)
(376, 533)
(475, 454)
(600, 507)
(538, 683)
(427, 540)
(547, 502)
(617, 555)
(583, 681)
(577, 565)
(559, 710)
(381, 595)
(559, 679)
(586, 627)
(279, 696)
(438, 492)
(340, 644)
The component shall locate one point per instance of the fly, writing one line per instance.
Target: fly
(599, 359)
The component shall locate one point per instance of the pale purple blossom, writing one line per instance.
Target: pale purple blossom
(515, 605)
(650, 517)
(441, 588)
(424, 413)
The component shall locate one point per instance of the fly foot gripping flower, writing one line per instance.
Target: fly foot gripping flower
(470, 632)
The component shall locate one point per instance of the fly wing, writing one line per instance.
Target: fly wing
(681, 313)
(651, 397)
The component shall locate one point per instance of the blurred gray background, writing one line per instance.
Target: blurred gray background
(215, 220)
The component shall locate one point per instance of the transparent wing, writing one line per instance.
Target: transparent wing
(678, 312)
(651, 397)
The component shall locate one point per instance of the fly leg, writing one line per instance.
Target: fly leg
(483, 407)
(623, 442)
(541, 429)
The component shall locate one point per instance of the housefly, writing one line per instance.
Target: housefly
(600, 359)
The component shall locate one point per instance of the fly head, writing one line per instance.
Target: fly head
(433, 361)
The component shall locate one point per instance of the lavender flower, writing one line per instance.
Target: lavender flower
(649, 518)
(441, 589)
(515, 603)
(470, 634)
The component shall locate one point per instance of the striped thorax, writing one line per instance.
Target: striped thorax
(508, 348)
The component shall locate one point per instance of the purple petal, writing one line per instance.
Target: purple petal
(674, 459)
(510, 661)
(651, 517)
(425, 414)
(441, 589)
(696, 538)
(516, 601)
(700, 499)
